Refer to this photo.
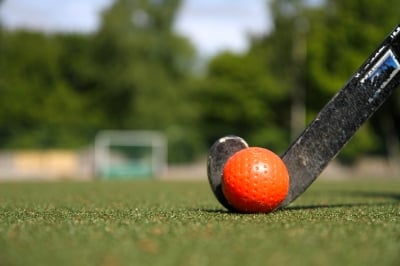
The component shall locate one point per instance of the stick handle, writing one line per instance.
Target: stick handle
(343, 115)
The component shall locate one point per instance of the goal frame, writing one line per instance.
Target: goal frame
(106, 139)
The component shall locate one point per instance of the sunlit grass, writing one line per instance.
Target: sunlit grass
(180, 223)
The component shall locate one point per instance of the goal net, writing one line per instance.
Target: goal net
(130, 154)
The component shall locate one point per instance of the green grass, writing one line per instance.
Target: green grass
(180, 223)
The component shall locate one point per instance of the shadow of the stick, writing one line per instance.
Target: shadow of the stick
(332, 206)
(389, 199)
(392, 197)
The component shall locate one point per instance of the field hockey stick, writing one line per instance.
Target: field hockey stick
(332, 128)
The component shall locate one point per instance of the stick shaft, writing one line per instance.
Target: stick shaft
(342, 116)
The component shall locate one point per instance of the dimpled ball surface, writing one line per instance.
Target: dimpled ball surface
(255, 180)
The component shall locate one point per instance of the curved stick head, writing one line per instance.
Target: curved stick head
(219, 153)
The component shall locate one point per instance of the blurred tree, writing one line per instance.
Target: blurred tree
(309, 55)
(134, 73)
(289, 45)
(261, 95)
(286, 56)
(342, 34)
(238, 97)
(142, 72)
(38, 109)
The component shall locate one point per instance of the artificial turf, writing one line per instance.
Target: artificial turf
(181, 223)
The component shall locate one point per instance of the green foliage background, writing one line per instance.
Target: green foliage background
(135, 72)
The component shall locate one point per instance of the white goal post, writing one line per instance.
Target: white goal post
(130, 154)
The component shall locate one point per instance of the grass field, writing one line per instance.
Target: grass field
(180, 223)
